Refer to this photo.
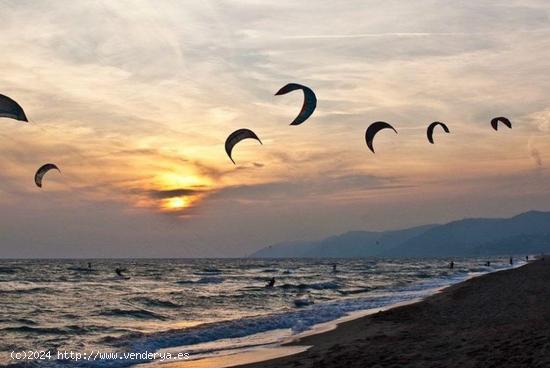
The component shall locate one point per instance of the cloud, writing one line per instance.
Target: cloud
(163, 194)
(308, 189)
(136, 112)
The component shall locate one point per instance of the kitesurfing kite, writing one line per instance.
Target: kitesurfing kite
(42, 171)
(310, 101)
(236, 137)
(375, 128)
(501, 119)
(11, 109)
(431, 127)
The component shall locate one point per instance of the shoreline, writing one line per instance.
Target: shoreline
(286, 348)
(281, 354)
(499, 319)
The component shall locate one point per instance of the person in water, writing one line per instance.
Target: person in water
(118, 271)
(488, 263)
(334, 267)
(527, 258)
(452, 265)
(89, 265)
(511, 261)
(271, 283)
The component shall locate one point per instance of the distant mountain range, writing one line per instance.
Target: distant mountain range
(527, 233)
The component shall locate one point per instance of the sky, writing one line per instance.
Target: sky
(133, 100)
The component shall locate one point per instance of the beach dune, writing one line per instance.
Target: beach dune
(496, 320)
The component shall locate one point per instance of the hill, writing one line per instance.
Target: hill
(528, 232)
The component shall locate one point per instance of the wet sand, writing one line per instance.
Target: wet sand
(231, 360)
(496, 320)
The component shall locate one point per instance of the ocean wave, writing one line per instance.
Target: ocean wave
(479, 269)
(27, 289)
(269, 270)
(25, 321)
(156, 302)
(208, 271)
(8, 270)
(423, 275)
(133, 313)
(203, 280)
(298, 320)
(210, 280)
(184, 282)
(355, 291)
(82, 269)
(66, 330)
(314, 286)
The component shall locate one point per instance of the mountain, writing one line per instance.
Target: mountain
(347, 245)
(479, 237)
(526, 233)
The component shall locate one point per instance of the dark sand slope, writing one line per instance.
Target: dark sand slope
(497, 320)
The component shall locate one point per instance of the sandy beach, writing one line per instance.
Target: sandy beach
(496, 320)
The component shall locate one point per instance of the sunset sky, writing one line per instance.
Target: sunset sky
(133, 100)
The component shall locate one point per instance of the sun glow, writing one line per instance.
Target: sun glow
(176, 203)
(176, 191)
(174, 181)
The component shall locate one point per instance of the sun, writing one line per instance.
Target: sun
(176, 203)
(177, 191)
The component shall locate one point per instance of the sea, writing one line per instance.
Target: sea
(195, 307)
